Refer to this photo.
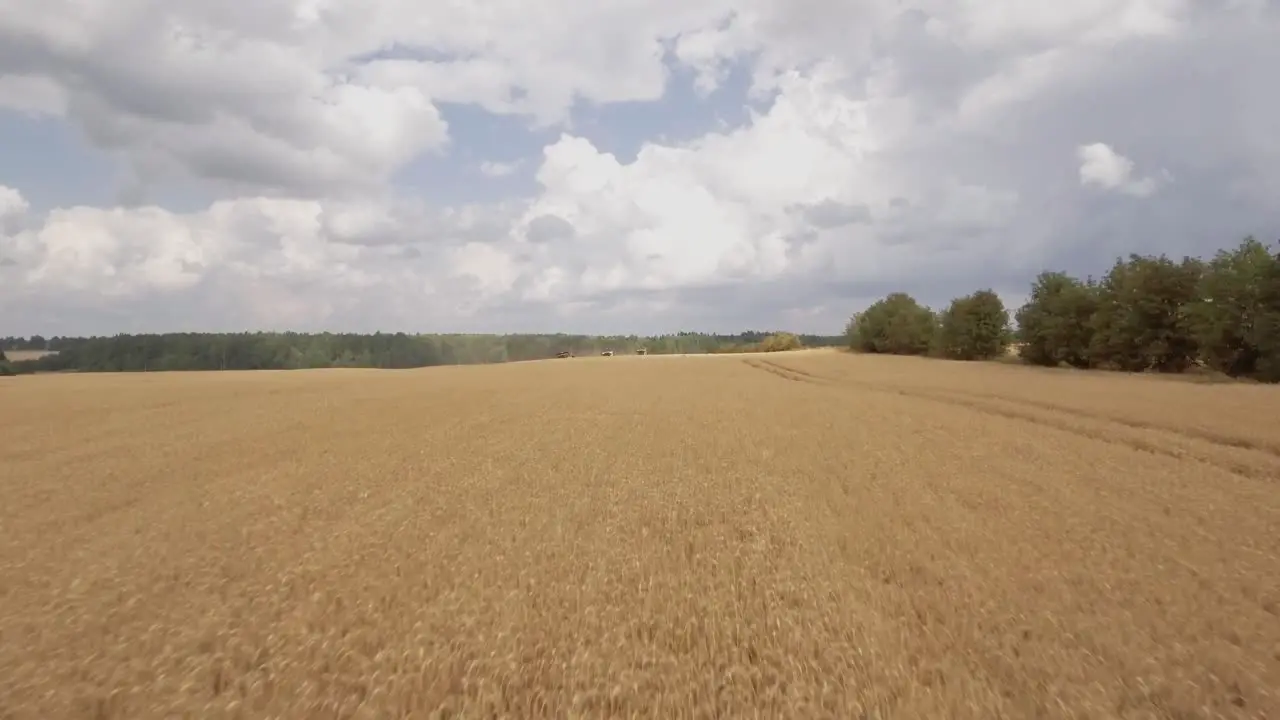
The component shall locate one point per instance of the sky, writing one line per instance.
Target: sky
(623, 167)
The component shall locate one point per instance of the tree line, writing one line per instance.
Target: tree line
(1148, 313)
(289, 351)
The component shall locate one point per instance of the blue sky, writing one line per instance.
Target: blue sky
(54, 164)
(681, 115)
(281, 168)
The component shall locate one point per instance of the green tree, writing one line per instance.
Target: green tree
(974, 327)
(1232, 312)
(1266, 326)
(896, 324)
(781, 341)
(1142, 321)
(5, 367)
(1055, 326)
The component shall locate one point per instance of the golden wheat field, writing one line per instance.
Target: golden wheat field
(808, 535)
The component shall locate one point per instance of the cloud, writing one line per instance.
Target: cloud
(32, 95)
(1105, 168)
(498, 169)
(549, 228)
(829, 214)
(12, 204)
(13, 211)
(934, 147)
(317, 98)
(198, 92)
(273, 263)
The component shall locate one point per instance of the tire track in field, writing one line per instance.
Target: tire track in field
(1191, 433)
(787, 373)
(1239, 456)
(1215, 438)
(1254, 474)
(1150, 439)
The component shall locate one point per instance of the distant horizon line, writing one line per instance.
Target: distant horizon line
(367, 333)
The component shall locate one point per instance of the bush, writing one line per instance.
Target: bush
(1142, 320)
(897, 325)
(779, 342)
(974, 327)
(1236, 310)
(1056, 324)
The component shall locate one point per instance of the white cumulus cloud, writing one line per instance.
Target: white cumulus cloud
(498, 169)
(1105, 168)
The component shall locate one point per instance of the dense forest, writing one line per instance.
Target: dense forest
(289, 351)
